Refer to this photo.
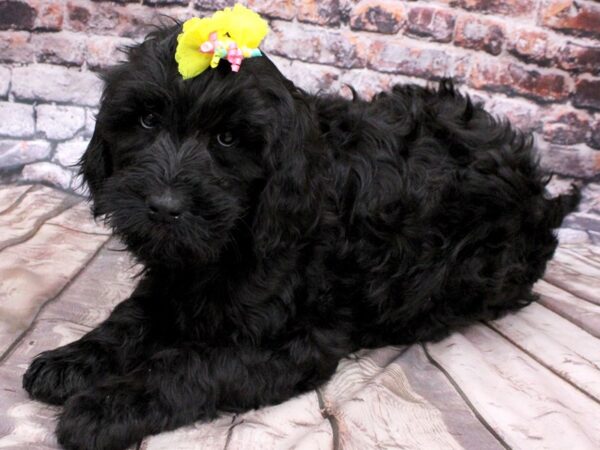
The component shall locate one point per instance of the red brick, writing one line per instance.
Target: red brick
(59, 48)
(15, 46)
(165, 2)
(104, 51)
(522, 113)
(79, 15)
(279, 9)
(132, 20)
(16, 15)
(461, 67)
(32, 14)
(564, 125)
(311, 77)
(418, 61)
(366, 83)
(587, 93)
(579, 58)
(380, 16)
(50, 14)
(571, 16)
(580, 162)
(503, 76)
(506, 7)
(479, 34)
(434, 23)
(593, 139)
(323, 12)
(298, 41)
(529, 45)
(212, 5)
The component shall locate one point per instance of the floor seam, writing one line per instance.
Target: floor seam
(39, 223)
(335, 428)
(558, 312)
(18, 200)
(542, 303)
(91, 233)
(465, 398)
(34, 321)
(554, 282)
(541, 363)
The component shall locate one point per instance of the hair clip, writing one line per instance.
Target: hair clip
(228, 50)
(231, 33)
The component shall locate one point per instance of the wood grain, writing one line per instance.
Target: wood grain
(558, 344)
(11, 194)
(582, 313)
(281, 426)
(25, 423)
(79, 218)
(38, 205)
(105, 282)
(526, 404)
(375, 406)
(579, 275)
(35, 271)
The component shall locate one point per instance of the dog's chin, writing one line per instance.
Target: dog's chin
(177, 245)
(161, 247)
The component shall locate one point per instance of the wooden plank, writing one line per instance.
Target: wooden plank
(584, 314)
(375, 406)
(282, 425)
(80, 218)
(209, 436)
(35, 271)
(582, 259)
(575, 276)
(11, 194)
(38, 206)
(592, 250)
(428, 381)
(105, 282)
(279, 426)
(527, 405)
(559, 345)
(88, 300)
(24, 423)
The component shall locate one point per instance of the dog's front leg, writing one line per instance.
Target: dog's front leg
(178, 386)
(55, 375)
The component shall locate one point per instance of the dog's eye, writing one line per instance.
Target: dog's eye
(226, 139)
(149, 121)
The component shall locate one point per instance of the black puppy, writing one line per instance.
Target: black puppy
(280, 232)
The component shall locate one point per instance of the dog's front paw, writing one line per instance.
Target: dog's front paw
(54, 376)
(108, 417)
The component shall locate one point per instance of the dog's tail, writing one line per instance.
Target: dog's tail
(559, 207)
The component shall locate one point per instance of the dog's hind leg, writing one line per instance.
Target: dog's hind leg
(55, 375)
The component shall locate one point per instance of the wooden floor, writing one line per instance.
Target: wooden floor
(530, 380)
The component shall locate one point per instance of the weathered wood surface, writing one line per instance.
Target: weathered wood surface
(529, 380)
(10, 196)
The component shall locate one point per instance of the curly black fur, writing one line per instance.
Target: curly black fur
(327, 226)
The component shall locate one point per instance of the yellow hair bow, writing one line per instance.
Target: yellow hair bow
(231, 33)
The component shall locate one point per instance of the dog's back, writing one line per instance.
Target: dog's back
(443, 211)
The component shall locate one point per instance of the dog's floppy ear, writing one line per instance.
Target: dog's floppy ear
(95, 164)
(289, 204)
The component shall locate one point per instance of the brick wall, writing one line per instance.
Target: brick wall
(535, 61)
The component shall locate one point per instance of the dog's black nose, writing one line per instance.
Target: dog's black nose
(165, 206)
